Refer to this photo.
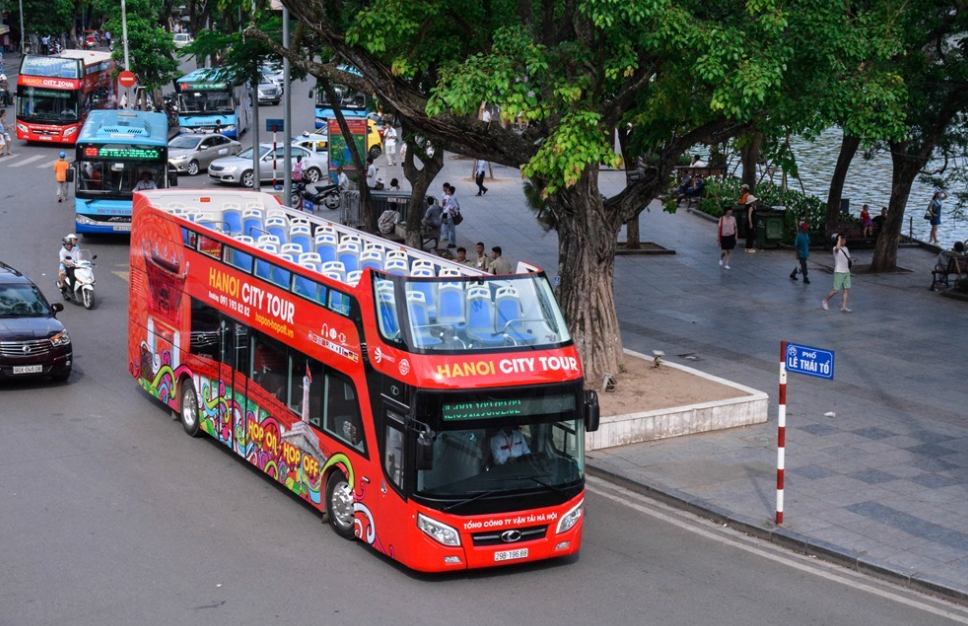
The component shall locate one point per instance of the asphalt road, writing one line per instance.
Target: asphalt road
(110, 514)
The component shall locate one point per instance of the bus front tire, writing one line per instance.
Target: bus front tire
(339, 505)
(189, 408)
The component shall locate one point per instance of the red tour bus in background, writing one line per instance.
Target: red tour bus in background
(55, 93)
(434, 412)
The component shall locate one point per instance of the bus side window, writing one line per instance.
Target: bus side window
(297, 374)
(342, 411)
(204, 340)
(393, 459)
(269, 366)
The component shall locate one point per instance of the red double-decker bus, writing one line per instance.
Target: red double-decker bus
(55, 93)
(434, 412)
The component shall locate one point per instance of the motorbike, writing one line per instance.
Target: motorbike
(325, 195)
(80, 280)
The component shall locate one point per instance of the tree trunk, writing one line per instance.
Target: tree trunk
(586, 267)
(848, 148)
(905, 170)
(420, 180)
(749, 156)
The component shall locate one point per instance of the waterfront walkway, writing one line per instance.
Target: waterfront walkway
(877, 460)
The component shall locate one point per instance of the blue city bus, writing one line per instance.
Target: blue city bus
(113, 153)
(353, 103)
(210, 101)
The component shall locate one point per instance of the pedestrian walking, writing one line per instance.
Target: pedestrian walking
(801, 247)
(60, 175)
(842, 263)
(390, 143)
(934, 214)
(726, 236)
(480, 169)
(451, 216)
(750, 203)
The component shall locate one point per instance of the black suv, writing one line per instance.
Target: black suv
(32, 341)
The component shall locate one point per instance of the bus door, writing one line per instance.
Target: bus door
(390, 484)
(233, 368)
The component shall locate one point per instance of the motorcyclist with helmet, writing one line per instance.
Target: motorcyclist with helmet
(68, 254)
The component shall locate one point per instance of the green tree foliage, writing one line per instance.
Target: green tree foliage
(565, 73)
(151, 50)
(43, 17)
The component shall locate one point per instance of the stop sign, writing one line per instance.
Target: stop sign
(127, 79)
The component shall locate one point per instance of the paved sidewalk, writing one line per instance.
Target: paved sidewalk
(880, 485)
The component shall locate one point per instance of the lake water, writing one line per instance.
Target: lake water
(869, 181)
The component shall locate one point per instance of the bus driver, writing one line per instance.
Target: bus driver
(507, 445)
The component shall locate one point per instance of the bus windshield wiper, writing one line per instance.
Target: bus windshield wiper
(469, 500)
(544, 484)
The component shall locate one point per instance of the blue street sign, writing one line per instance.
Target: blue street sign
(810, 361)
(275, 126)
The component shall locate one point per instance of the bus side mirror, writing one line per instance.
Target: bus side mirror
(172, 178)
(425, 450)
(70, 175)
(592, 411)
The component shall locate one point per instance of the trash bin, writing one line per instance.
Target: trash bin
(769, 226)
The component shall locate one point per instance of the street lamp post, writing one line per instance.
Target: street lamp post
(23, 33)
(124, 41)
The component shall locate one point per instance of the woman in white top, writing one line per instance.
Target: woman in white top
(842, 262)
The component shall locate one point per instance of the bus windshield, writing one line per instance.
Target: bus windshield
(206, 102)
(99, 178)
(46, 105)
(504, 441)
(348, 100)
(444, 314)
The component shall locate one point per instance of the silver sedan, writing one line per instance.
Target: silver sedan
(238, 169)
(190, 154)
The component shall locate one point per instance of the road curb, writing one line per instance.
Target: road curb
(783, 537)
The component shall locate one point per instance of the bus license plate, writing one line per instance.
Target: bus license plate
(510, 555)
(28, 369)
(121, 228)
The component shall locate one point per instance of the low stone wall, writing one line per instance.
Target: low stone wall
(622, 430)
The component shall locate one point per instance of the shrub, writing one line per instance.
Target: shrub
(799, 206)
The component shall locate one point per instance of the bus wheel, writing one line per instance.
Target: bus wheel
(313, 175)
(339, 504)
(189, 408)
(193, 168)
(247, 179)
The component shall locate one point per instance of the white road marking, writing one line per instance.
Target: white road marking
(27, 160)
(125, 276)
(811, 565)
(47, 165)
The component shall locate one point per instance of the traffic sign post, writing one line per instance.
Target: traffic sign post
(274, 126)
(798, 359)
(127, 79)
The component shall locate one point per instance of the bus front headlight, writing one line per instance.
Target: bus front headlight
(569, 519)
(439, 532)
(228, 129)
(83, 219)
(70, 131)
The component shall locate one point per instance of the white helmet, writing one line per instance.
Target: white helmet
(72, 237)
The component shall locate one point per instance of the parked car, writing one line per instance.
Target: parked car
(32, 341)
(276, 74)
(238, 169)
(192, 153)
(182, 39)
(313, 142)
(269, 91)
